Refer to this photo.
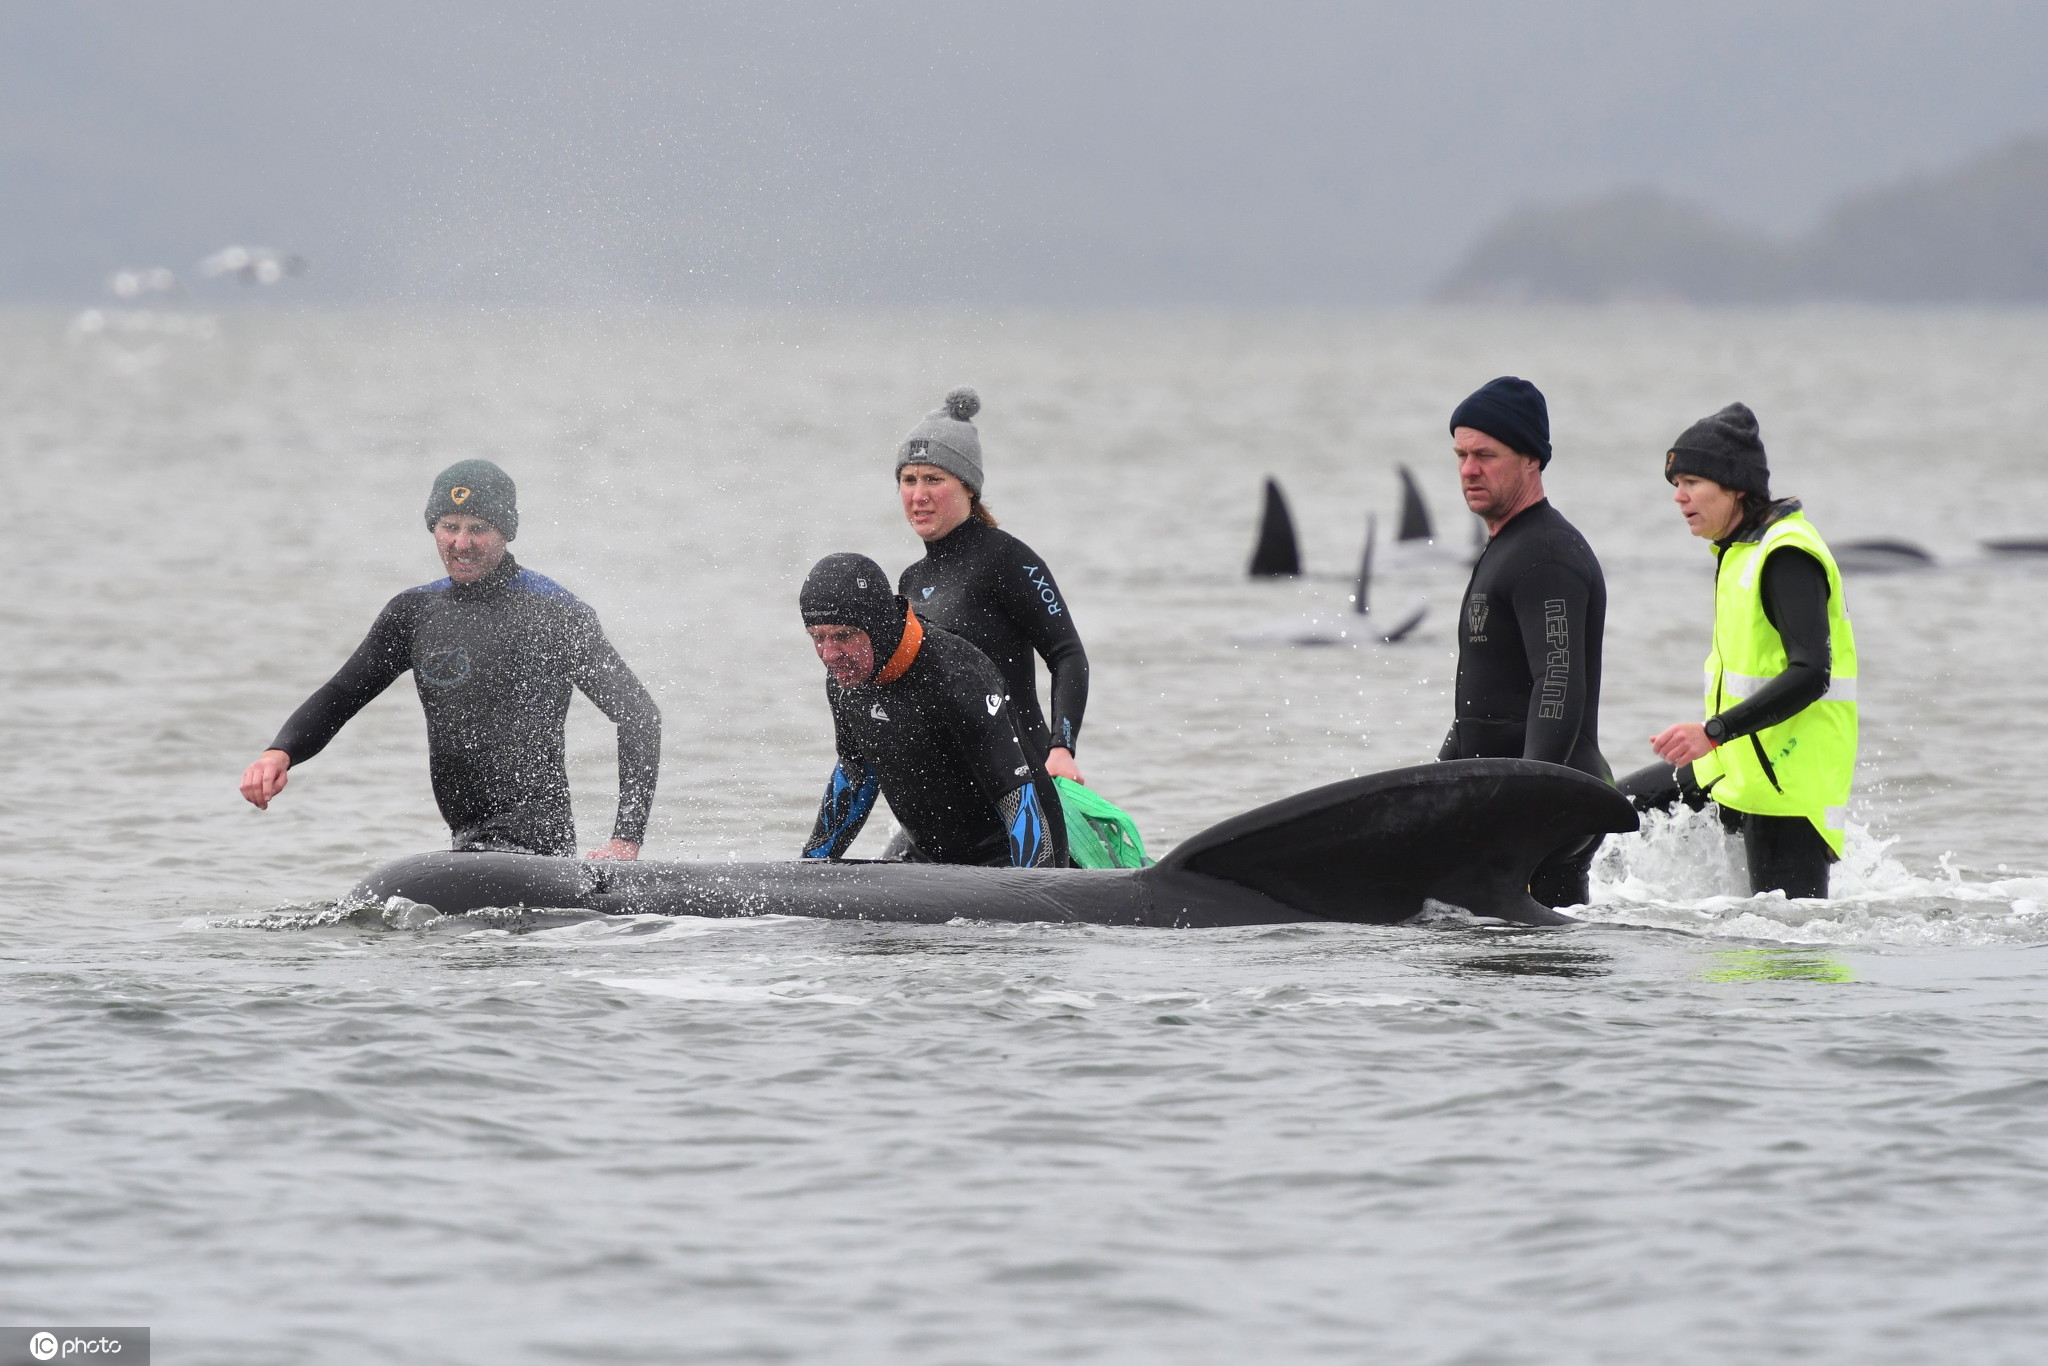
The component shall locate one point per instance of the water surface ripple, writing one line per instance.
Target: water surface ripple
(1703, 1128)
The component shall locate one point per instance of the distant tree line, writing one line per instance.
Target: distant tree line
(1977, 234)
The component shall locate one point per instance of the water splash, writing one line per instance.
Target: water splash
(1682, 871)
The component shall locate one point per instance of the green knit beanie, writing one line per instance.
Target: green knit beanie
(476, 488)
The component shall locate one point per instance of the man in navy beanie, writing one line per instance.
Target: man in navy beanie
(1535, 611)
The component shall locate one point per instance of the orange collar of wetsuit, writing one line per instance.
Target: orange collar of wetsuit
(906, 651)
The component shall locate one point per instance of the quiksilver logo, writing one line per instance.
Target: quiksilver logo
(458, 495)
(995, 703)
(927, 592)
(877, 712)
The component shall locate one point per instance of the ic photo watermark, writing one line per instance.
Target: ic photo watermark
(35, 1346)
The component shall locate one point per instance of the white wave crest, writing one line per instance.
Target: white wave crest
(1682, 871)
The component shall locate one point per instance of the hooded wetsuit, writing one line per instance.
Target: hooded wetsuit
(1529, 641)
(991, 588)
(932, 731)
(494, 661)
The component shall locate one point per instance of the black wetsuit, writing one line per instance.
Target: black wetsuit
(990, 587)
(941, 744)
(1785, 853)
(494, 661)
(1529, 639)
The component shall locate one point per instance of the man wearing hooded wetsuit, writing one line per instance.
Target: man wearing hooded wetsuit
(495, 649)
(920, 717)
(1535, 612)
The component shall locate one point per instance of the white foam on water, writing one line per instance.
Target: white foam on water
(1682, 871)
(723, 989)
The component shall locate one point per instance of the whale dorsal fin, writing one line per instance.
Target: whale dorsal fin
(1414, 512)
(1277, 554)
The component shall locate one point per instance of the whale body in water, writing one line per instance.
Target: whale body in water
(1370, 850)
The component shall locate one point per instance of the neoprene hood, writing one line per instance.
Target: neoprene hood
(851, 590)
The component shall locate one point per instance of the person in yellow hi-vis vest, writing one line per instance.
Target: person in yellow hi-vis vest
(1777, 750)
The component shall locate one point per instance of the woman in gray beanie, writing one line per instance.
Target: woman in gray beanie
(985, 584)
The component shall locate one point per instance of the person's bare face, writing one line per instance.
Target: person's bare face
(1711, 510)
(847, 653)
(934, 502)
(1494, 476)
(470, 547)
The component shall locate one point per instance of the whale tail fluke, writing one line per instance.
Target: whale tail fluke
(1372, 850)
(1414, 512)
(1278, 554)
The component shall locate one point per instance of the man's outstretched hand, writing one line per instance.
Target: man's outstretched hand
(623, 850)
(265, 778)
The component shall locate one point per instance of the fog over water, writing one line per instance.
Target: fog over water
(1701, 1128)
(1071, 152)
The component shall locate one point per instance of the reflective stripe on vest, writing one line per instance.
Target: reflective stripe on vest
(1802, 767)
(1741, 687)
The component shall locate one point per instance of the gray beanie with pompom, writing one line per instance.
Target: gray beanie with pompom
(947, 438)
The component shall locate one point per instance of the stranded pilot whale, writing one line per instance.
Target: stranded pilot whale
(1368, 850)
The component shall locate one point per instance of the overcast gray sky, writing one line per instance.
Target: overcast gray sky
(1055, 152)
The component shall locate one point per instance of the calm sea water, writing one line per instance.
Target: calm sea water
(1702, 1128)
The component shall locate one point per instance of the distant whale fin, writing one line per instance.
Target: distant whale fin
(1879, 556)
(1361, 597)
(1393, 635)
(1467, 832)
(1414, 512)
(1277, 554)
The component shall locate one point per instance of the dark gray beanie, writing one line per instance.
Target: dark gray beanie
(947, 438)
(1511, 411)
(476, 488)
(1726, 448)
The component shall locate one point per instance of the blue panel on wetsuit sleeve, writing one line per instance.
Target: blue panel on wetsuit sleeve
(1026, 826)
(845, 810)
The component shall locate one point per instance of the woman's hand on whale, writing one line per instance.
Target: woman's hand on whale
(265, 778)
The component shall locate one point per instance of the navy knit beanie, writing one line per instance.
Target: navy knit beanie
(851, 590)
(1512, 412)
(476, 488)
(1727, 448)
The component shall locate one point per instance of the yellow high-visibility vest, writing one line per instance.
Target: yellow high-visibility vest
(1803, 766)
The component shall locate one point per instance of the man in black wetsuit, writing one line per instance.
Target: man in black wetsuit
(920, 717)
(495, 649)
(1534, 614)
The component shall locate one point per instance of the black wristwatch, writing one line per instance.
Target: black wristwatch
(1716, 729)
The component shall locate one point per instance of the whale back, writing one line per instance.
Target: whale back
(1466, 832)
